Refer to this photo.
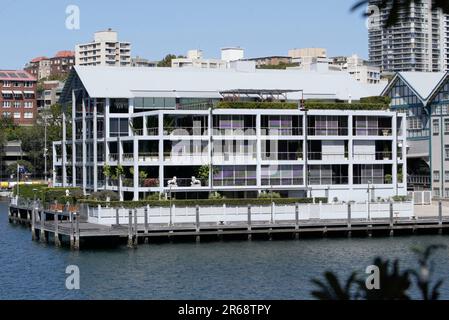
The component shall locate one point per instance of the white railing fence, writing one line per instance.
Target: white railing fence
(421, 197)
(259, 214)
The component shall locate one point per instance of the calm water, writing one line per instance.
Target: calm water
(222, 270)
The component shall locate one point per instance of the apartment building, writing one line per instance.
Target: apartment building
(357, 67)
(417, 42)
(195, 59)
(104, 50)
(163, 126)
(140, 62)
(50, 94)
(57, 67)
(18, 96)
(424, 97)
(300, 53)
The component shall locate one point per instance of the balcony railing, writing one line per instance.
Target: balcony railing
(385, 155)
(327, 156)
(186, 131)
(334, 180)
(286, 131)
(372, 180)
(333, 131)
(234, 157)
(282, 156)
(152, 131)
(169, 156)
(186, 183)
(386, 132)
(128, 157)
(113, 157)
(282, 181)
(244, 131)
(235, 182)
(420, 180)
(148, 156)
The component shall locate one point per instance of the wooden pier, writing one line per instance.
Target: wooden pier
(69, 228)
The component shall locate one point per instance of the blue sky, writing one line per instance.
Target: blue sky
(32, 28)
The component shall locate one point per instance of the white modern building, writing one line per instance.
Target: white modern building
(194, 131)
(104, 50)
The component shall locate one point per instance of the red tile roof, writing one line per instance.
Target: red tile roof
(65, 54)
(39, 59)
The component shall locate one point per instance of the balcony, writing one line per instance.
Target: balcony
(237, 131)
(319, 156)
(234, 157)
(282, 181)
(113, 157)
(330, 131)
(283, 156)
(235, 182)
(185, 183)
(285, 131)
(148, 156)
(385, 132)
(185, 131)
(377, 156)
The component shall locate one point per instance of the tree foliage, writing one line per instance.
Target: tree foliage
(401, 5)
(394, 283)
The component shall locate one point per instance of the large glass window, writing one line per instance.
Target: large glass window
(154, 103)
(119, 106)
(119, 127)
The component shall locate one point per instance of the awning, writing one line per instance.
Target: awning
(6, 92)
(176, 94)
(29, 92)
(18, 92)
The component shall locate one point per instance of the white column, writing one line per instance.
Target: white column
(161, 150)
(64, 152)
(95, 146)
(73, 139)
(394, 147)
(84, 145)
(259, 151)
(136, 168)
(210, 147)
(351, 152)
(106, 130)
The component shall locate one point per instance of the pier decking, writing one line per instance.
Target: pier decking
(66, 227)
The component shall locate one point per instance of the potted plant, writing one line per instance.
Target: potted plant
(388, 179)
(386, 132)
(386, 153)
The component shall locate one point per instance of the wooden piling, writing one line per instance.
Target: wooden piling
(72, 232)
(117, 216)
(57, 240)
(391, 220)
(297, 221)
(249, 222)
(197, 223)
(77, 231)
(440, 217)
(136, 230)
(130, 229)
(145, 212)
(33, 224)
(349, 219)
(42, 237)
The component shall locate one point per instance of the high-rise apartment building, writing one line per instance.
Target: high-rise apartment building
(417, 42)
(105, 50)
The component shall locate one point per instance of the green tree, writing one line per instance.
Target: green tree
(394, 283)
(166, 62)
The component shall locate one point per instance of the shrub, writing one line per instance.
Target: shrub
(216, 196)
(103, 195)
(154, 197)
(311, 105)
(202, 202)
(151, 183)
(269, 195)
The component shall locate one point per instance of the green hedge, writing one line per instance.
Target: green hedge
(46, 194)
(311, 105)
(202, 202)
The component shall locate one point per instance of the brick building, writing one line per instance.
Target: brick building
(57, 67)
(18, 96)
